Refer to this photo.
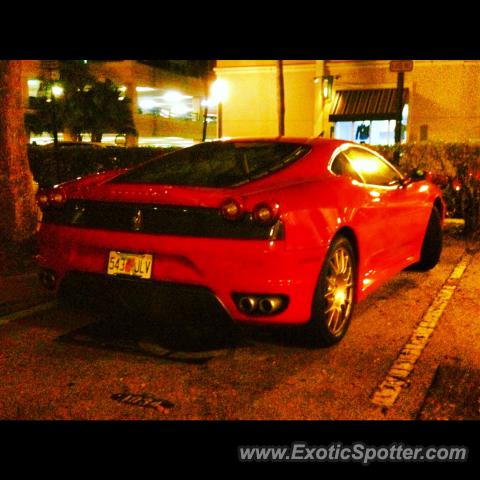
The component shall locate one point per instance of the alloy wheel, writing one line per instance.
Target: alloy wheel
(339, 290)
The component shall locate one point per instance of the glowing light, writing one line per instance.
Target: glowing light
(219, 91)
(180, 109)
(173, 97)
(374, 194)
(147, 103)
(144, 89)
(33, 86)
(57, 90)
(208, 103)
(423, 188)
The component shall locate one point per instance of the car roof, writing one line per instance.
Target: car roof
(284, 139)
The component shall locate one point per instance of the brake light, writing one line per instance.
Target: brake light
(266, 213)
(231, 209)
(55, 197)
(42, 199)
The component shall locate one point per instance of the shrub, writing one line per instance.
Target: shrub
(67, 163)
(459, 161)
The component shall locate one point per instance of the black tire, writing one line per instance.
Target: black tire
(318, 332)
(432, 243)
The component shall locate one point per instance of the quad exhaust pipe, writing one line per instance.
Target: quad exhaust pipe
(269, 305)
(247, 304)
(261, 305)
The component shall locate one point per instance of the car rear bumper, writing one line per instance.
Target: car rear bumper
(223, 267)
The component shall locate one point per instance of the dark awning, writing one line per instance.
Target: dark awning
(375, 104)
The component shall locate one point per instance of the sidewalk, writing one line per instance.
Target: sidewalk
(20, 292)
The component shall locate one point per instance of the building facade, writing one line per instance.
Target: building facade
(353, 99)
(164, 103)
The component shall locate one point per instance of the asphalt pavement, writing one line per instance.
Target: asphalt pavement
(67, 363)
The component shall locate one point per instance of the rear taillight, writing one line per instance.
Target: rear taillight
(266, 213)
(42, 199)
(231, 209)
(55, 197)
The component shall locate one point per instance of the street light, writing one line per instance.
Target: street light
(219, 93)
(55, 92)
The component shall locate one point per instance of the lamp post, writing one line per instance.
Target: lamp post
(281, 99)
(219, 93)
(55, 92)
(399, 67)
(205, 120)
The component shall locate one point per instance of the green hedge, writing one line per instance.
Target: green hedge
(50, 167)
(448, 158)
(459, 161)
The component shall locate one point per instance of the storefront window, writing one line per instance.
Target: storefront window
(373, 132)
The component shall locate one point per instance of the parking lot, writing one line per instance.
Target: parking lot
(65, 363)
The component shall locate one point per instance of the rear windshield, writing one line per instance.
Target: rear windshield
(217, 164)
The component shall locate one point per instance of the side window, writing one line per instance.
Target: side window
(373, 169)
(342, 166)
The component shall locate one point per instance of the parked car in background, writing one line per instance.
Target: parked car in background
(290, 231)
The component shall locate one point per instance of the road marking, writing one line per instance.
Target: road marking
(454, 221)
(397, 377)
(27, 312)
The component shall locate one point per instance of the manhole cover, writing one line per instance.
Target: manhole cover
(144, 400)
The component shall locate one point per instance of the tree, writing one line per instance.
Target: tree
(86, 106)
(48, 116)
(98, 110)
(17, 197)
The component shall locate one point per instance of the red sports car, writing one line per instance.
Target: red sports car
(277, 231)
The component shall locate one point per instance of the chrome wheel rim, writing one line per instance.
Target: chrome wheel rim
(339, 291)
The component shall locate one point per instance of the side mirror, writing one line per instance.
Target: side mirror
(414, 175)
(418, 174)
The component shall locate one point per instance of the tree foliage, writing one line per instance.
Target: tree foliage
(87, 105)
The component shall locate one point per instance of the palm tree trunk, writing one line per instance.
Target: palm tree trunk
(17, 197)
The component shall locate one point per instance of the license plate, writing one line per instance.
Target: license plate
(136, 265)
